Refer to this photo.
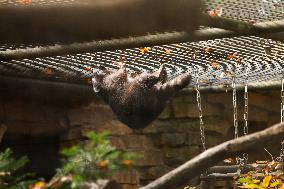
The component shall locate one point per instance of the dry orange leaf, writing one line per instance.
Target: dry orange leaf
(25, 2)
(215, 12)
(212, 13)
(48, 71)
(144, 49)
(38, 185)
(103, 164)
(238, 60)
(89, 69)
(215, 65)
(232, 56)
(127, 163)
(168, 51)
(207, 50)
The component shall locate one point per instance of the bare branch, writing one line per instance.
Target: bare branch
(210, 157)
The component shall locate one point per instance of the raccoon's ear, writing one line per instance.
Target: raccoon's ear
(162, 72)
(116, 79)
(96, 84)
(149, 80)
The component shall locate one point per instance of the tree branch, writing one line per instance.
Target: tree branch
(210, 157)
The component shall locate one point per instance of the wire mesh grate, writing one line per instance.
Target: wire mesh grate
(252, 10)
(217, 60)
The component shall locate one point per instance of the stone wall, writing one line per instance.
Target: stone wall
(41, 118)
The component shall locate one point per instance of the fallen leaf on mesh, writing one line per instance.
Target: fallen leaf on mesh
(168, 51)
(232, 56)
(88, 69)
(238, 60)
(144, 49)
(215, 65)
(207, 50)
(48, 71)
(216, 12)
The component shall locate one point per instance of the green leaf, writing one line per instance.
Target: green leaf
(244, 180)
(69, 152)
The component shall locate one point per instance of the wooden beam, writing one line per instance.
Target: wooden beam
(46, 91)
(275, 36)
(210, 157)
(96, 20)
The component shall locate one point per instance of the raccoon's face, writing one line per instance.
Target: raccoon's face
(98, 76)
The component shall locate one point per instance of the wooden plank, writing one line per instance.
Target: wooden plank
(96, 20)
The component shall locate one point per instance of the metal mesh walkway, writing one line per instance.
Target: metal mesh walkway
(217, 60)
